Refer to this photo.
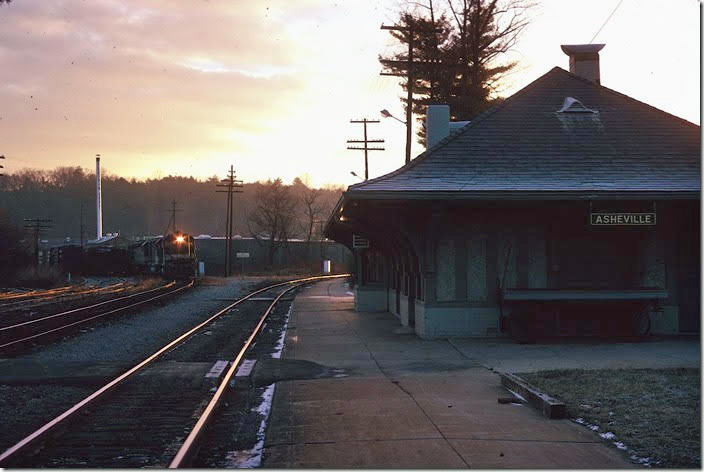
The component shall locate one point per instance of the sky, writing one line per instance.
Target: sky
(176, 87)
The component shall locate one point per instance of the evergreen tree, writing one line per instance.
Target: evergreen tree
(458, 55)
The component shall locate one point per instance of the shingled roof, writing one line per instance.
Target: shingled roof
(524, 146)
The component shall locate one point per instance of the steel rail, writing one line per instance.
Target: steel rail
(189, 445)
(38, 434)
(44, 297)
(84, 320)
(75, 310)
(34, 293)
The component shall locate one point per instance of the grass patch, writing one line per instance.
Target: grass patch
(656, 413)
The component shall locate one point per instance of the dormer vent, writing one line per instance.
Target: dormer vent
(572, 105)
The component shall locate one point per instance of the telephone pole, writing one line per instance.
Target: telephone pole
(410, 79)
(82, 226)
(37, 226)
(366, 142)
(233, 185)
(172, 220)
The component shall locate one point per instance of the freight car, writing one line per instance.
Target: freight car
(173, 256)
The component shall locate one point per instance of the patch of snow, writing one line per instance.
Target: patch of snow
(644, 461)
(280, 343)
(252, 458)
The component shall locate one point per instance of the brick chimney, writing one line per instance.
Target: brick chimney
(584, 60)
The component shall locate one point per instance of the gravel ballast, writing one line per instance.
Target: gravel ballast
(115, 345)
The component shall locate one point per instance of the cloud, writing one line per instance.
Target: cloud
(178, 86)
(133, 78)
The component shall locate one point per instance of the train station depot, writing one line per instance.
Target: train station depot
(568, 209)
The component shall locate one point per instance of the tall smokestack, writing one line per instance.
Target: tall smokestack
(98, 199)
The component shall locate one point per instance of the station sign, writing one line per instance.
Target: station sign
(622, 219)
(359, 242)
(242, 255)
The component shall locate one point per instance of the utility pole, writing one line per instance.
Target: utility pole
(410, 79)
(37, 226)
(366, 142)
(172, 220)
(82, 226)
(232, 186)
(2, 167)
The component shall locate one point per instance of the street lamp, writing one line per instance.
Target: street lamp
(385, 113)
(353, 173)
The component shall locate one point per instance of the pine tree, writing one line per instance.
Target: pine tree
(457, 55)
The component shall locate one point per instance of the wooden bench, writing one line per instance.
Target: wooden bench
(541, 312)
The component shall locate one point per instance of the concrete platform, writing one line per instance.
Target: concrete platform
(650, 353)
(402, 402)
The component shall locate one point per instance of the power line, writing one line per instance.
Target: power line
(607, 20)
(366, 142)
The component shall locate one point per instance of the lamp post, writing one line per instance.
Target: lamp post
(386, 114)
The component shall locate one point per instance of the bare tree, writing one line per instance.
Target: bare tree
(313, 209)
(273, 216)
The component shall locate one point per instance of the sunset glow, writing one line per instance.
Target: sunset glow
(163, 87)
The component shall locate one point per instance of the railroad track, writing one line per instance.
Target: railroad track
(42, 297)
(17, 332)
(33, 293)
(156, 413)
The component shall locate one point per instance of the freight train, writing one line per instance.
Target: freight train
(173, 256)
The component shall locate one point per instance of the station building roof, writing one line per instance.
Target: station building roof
(562, 136)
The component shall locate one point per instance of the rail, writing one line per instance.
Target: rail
(55, 295)
(25, 339)
(190, 444)
(41, 433)
(83, 308)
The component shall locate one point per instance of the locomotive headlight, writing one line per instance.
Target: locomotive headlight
(179, 239)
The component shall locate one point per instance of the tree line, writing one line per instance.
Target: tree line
(134, 207)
